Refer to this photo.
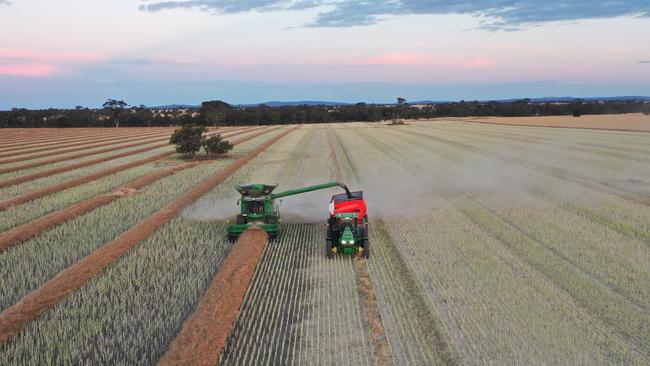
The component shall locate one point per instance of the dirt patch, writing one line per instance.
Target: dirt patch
(69, 280)
(124, 191)
(203, 336)
(380, 347)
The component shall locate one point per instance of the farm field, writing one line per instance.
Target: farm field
(622, 122)
(490, 244)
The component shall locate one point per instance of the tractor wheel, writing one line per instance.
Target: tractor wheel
(240, 220)
(271, 220)
(328, 249)
(366, 248)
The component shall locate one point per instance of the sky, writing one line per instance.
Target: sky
(152, 52)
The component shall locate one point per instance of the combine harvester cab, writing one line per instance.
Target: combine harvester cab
(347, 226)
(256, 207)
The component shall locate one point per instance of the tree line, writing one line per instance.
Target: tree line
(117, 113)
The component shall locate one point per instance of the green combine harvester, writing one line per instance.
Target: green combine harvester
(347, 224)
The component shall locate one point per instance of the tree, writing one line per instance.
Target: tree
(646, 109)
(214, 112)
(399, 110)
(217, 145)
(188, 139)
(116, 107)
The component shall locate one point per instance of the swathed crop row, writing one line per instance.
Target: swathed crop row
(37, 260)
(148, 293)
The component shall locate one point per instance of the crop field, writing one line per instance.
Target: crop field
(490, 244)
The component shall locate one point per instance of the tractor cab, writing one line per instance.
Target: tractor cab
(347, 226)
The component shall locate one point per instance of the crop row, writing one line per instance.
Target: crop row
(423, 233)
(35, 261)
(141, 301)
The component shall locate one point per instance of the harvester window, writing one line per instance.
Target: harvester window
(256, 207)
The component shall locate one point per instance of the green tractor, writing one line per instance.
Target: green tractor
(258, 207)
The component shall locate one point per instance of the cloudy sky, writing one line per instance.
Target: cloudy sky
(81, 52)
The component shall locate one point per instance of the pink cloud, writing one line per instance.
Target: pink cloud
(32, 70)
(58, 56)
(396, 59)
(423, 59)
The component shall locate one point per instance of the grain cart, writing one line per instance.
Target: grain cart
(347, 226)
(258, 207)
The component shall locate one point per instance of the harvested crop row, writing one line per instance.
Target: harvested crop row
(574, 176)
(204, 335)
(498, 309)
(17, 168)
(377, 335)
(602, 164)
(46, 296)
(612, 143)
(23, 149)
(31, 134)
(37, 260)
(36, 140)
(302, 307)
(21, 233)
(116, 145)
(604, 304)
(29, 211)
(46, 173)
(152, 289)
(54, 151)
(24, 232)
(38, 193)
(599, 205)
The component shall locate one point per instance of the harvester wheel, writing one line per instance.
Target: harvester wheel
(328, 248)
(366, 248)
(272, 220)
(240, 220)
(232, 238)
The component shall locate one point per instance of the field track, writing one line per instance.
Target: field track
(30, 196)
(66, 282)
(21, 233)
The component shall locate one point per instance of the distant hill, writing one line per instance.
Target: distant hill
(549, 100)
(334, 104)
(297, 103)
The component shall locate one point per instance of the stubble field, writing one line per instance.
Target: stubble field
(490, 244)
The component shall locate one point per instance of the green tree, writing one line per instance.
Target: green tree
(217, 145)
(214, 112)
(188, 139)
(646, 109)
(116, 107)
